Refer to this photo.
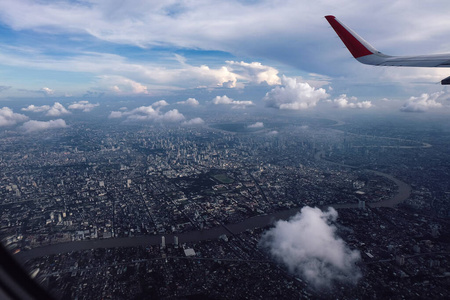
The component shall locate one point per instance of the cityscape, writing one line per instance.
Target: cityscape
(234, 149)
(107, 209)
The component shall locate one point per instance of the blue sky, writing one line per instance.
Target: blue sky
(281, 55)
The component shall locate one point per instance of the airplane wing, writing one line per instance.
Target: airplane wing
(367, 54)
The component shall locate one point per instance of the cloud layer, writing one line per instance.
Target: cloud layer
(177, 45)
(309, 247)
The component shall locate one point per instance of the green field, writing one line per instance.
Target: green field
(223, 178)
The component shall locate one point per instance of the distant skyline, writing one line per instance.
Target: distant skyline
(234, 54)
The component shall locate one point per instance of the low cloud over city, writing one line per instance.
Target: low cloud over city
(149, 113)
(9, 118)
(32, 126)
(423, 103)
(309, 247)
(294, 95)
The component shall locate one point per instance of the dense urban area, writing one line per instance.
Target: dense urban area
(106, 210)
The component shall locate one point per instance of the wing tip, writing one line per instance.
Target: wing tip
(355, 44)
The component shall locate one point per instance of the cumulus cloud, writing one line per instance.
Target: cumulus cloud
(256, 125)
(9, 118)
(34, 108)
(255, 72)
(192, 122)
(236, 104)
(222, 100)
(294, 95)
(32, 126)
(189, 102)
(422, 103)
(171, 116)
(83, 105)
(148, 113)
(344, 102)
(115, 115)
(57, 110)
(194, 76)
(47, 91)
(160, 103)
(309, 247)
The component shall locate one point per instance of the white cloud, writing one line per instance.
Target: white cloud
(83, 105)
(189, 102)
(206, 25)
(267, 29)
(236, 104)
(171, 116)
(222, 100)
(34, 108)
(239, 104)
(422, 103)
(57, 110)
(294, 95)
(115, 115)
(255, 72)
(47, 91)
(121, 85)
(309, 247)
(32, 126)
(159, 104)
(195, 121)
(148, 113)
(205, 76)
(9, 118)
(344, 102)
(256, 125)
(141, 113)
(117, 74)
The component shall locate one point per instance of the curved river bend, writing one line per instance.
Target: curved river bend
(403, 193)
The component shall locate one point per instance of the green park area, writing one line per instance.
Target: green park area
(223, 178)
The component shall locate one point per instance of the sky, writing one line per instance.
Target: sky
(236, 55)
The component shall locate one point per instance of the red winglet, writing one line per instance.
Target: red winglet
(356, 48)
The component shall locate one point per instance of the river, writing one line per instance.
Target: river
(403, 193)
